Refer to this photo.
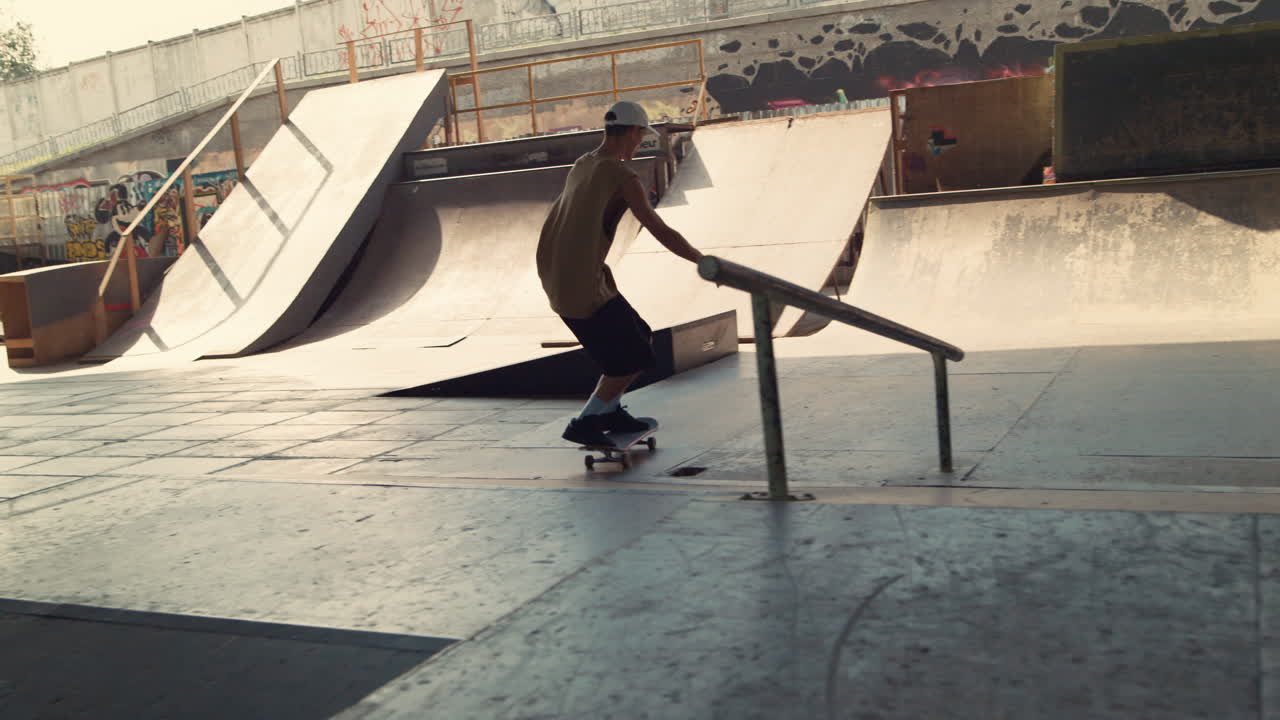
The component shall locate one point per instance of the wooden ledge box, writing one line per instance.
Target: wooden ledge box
(48, 312)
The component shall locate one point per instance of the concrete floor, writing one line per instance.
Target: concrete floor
(1106, 547)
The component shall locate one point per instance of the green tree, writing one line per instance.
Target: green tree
(17, 52)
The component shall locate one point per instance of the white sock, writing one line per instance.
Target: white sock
(617, 403)
(594, 406)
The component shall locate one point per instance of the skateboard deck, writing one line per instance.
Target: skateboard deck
(623, 443)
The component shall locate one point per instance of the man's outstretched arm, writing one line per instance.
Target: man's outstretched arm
(638, 201)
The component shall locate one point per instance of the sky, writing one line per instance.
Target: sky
(70, 30)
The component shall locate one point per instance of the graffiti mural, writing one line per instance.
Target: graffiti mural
(120, 207)
(169, 236)
(82, 242)
(865, 55)
(95, 213)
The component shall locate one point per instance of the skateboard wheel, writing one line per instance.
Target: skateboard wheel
(652, 443)
(590, 462)
(626, 462)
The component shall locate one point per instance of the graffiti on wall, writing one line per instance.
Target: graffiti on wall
(95, 213)
(168, 235)
(379, 17)
(866, 55)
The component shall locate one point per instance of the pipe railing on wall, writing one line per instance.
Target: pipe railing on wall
(766, 289)
(615, 90)
(419, 54)
(125, 245)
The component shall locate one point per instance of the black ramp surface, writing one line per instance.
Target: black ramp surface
(83, 662)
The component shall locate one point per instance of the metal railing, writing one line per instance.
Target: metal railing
(125, 246)
(411, 45)
(620, 17)
(533, 100)
(766, 289)
(528, 31)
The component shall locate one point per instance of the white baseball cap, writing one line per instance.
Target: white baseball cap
(627, 114)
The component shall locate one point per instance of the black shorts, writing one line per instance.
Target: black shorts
(616, 338)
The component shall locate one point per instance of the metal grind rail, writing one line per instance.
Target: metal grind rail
(765, 288)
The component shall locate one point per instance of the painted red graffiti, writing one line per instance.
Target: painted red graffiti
(68, 185)
(950, 76)
(378, 19)
(1004, 71)
(450, 10)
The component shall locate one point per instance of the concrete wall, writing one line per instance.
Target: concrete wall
(135, 81)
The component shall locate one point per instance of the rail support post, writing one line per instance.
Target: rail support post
(944, 411)
(770, 405)
(237, 146)
(280, 96)
(131, 263)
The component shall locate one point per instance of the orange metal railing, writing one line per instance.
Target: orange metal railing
(419, 53)
(533, 100)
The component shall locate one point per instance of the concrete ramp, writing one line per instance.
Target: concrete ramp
(1179, 260)
(451, 259)
(444, 257)
(265, 263)
(782, 195)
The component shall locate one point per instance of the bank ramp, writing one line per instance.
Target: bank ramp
(266, 262)
(783, 195)
(1171, 260)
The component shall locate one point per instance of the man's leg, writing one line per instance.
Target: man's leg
(608, 393)
(620, 343)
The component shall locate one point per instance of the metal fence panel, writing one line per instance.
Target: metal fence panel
(527, 31)
(152, 112)
(86, 136)
(632, 15)
(220, 87)
(747, 7)
(450, 42)
(324, 62)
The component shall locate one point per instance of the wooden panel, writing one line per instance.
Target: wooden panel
(47, 311)
(994, 133)
(13, 307)
(1178, 102)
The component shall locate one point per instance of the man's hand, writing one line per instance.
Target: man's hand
(638, 201)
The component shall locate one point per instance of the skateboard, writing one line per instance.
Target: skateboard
(620, 451)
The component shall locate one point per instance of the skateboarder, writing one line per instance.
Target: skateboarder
(571, 251)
